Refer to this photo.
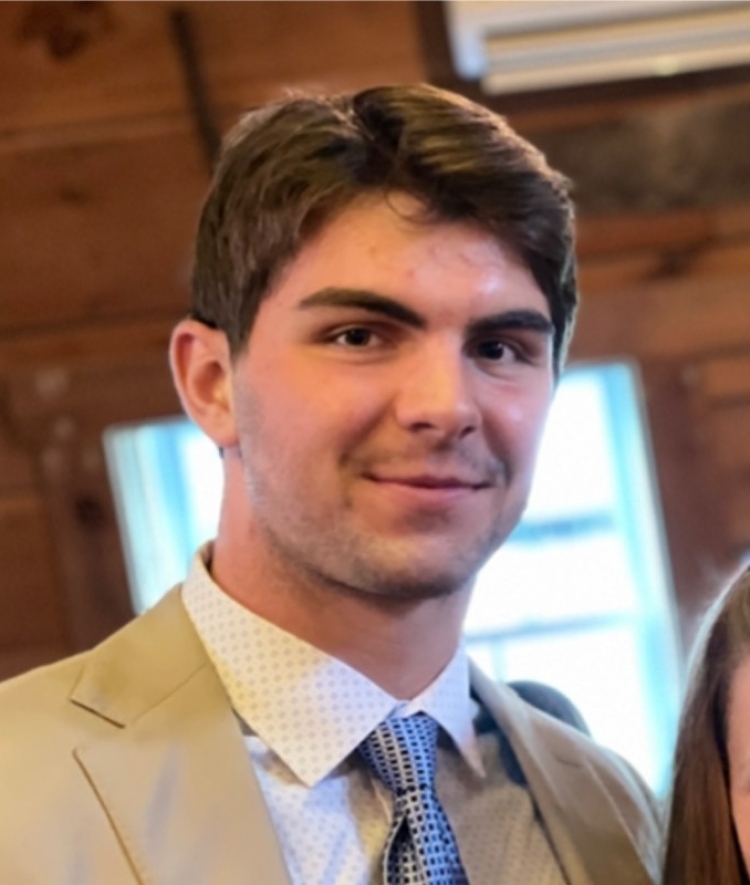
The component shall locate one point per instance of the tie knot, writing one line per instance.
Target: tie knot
(401, 752)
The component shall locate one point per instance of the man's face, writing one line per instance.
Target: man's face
(389, 403)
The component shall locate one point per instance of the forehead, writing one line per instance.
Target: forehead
(386, 245)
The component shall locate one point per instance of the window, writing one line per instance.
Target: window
(167, 481)
(578, 598)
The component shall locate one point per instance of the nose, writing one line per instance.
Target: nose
(435, 395)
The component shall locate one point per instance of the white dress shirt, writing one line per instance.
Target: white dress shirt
(304, 713)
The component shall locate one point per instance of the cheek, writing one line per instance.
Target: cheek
(738, 751)
(302, 431)
(741, 817)
(516, 425)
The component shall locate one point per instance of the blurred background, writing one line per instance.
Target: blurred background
(110, 116)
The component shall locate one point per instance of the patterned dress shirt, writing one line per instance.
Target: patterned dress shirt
(303, 714)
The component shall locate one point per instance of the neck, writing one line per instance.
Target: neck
(400, 645)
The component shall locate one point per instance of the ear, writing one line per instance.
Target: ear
(202, 372)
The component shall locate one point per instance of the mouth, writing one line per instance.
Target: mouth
(430, 482)
(424, 494)
(429, 491)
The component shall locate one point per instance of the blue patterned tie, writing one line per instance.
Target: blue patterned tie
(421, 847)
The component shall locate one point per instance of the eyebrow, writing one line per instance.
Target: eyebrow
(533, 320)
(331, 296)
(365, 300)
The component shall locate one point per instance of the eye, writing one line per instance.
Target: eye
(357, 336)
(494, 350)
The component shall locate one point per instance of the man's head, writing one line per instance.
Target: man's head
(289, 168)
(384, 290)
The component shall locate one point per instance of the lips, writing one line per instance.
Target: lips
(430, 481)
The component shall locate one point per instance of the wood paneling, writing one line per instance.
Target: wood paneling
(685, 154)
(609, 272)
(732, 220)
(323, 46)
(98, 230)
(121, 65)
(628, 251)
(61, 412)
(675, 319)
(672, 292)
(55, 404)
(730, 433)
(737, 502)
(83, 343)
(87, 541)
(616, 234)
(14, 661)
(617, 272)
(31, 598)
(16, 463)
(725, 378)
(696, 523)
(120, 61)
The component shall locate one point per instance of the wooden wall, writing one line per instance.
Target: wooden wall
(672, 293)
(102, 170)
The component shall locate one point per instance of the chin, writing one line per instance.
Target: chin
(413, 582)
(433, 571)
(386, 568)
(404, 591)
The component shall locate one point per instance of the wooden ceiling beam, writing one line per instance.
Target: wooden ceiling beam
(126, 67)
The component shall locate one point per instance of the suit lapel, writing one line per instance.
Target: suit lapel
(173, 774)
(584, 828)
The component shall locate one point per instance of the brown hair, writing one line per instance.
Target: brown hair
(288, 167)
(701, 846)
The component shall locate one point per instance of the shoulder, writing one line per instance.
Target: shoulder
(36, 699)
(569, 746)
(589, 791)
(49, 714)
(38, 771)
(47, 807)
(48, 711)
(604, 768)
(557, 736)
(41, 729)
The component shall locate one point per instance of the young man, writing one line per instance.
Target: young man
(383, 295)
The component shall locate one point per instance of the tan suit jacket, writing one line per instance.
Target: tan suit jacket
(126, 765)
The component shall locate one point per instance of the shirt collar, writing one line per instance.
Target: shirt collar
(310, 708)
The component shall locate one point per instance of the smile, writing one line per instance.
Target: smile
(430, 482)
(427, 491)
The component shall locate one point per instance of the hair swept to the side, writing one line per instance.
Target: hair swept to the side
(289, 167)
(701, 844)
